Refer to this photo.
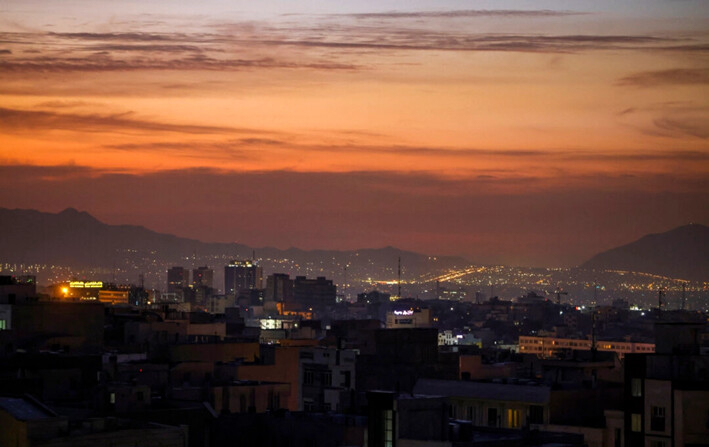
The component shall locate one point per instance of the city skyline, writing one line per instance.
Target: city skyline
(500, 131)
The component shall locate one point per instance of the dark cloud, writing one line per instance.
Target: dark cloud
(465, 13)
(48, 64)
(661, 78)
(684, 126)
(213, 151)
(12, 120)
(435, 41)
(250, 147)
(126, 37)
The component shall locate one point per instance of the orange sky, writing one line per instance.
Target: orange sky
(500, 103)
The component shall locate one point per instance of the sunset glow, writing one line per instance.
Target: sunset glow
(486, 129)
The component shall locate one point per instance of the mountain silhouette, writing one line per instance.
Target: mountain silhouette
(76, 239)
(679, 253)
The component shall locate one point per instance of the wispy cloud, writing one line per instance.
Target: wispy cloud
(695, 126)
(98, 63)
(661, 78)
(12, 120)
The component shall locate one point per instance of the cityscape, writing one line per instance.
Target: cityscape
(433, 223)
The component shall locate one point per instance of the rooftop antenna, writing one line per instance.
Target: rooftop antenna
(399, 291)
(684, 295)
(141, 278)
(253, 255)
(660, 296)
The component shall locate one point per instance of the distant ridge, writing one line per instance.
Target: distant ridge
(679, 253)
(77, 239)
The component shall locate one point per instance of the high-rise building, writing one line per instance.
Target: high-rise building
(314, 292)
(202, 276)
(177, 279)
(279, 288)
(242, 275)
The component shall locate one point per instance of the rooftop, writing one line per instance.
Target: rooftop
(538, 394)
(25, 409)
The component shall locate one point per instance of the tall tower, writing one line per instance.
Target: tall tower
(203, 276)
(242, 275)
(177, 279)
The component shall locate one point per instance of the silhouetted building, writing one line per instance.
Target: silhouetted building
(203, 277)
(177, 279)
(394, 419)
(17, 289)
(27, 422)
(667, 393)
(242, 275)
(372, 297)
(279, 288)
(314, 292)
(52, 325)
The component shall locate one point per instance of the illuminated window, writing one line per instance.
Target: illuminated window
(636, 422)
(636, 387)
(3, 325)
(388, 428)
(513, 419)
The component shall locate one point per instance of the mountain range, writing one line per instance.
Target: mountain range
(681, 253)
(76, 239)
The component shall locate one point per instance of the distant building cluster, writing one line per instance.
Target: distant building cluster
(275, 360)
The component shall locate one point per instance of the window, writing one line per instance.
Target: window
(452, 411)
(636, 422)
(326, 378)
(657, 419)
(388, 428)
(636, 387)
(536, 414)
(658, 444)
(471, 414)
(308, 378)
(492, 417)
(513, 419)
(3, 325)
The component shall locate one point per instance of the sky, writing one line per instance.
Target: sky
(521, 132)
